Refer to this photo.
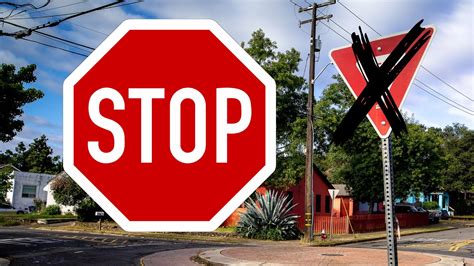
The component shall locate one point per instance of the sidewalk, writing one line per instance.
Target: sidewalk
(302, 255)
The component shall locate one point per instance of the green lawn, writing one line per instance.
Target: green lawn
(11, 219)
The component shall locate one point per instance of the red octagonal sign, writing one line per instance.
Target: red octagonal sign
(169, 125)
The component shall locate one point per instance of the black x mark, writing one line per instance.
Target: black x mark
(378, 80)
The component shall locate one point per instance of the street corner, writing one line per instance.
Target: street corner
(283, 255)
(187, 256)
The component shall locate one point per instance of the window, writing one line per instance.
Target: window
(318, 203)
(328, 204)
(28, 191)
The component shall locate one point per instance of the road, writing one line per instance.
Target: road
(29, 247)
(457, 242)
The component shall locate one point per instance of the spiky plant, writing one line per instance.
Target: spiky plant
(268, 217)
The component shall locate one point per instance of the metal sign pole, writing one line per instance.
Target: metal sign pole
(388, 195)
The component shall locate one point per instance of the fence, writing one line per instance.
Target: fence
(340, 225)
(367, 223)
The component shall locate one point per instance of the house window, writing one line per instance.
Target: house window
(28, 191)
(328, 204)
(318, 203)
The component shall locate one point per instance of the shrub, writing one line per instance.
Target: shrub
(86, 210)
(52, 210)
(268, 217)
(430, 205)
(39, 205)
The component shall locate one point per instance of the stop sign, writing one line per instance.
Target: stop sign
(169, 125)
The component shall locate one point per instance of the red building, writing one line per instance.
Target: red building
(347, 216)
(322, 200)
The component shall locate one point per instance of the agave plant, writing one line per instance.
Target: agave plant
(268, 217)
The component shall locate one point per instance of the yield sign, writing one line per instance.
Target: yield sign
(346, 63)
(333, 193)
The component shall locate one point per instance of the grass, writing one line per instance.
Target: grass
(354, 238)
(229, 235)
(12, 219)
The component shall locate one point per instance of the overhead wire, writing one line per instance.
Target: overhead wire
(53, 46)
(446, 101)
(27, 31)
(423, 67)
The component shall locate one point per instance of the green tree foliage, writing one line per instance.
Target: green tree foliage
(419, 160)
(418, 157)
(5, 182)
(459, 146)
(66, 191)
(37, 158)
(291, 102)
(13, 96)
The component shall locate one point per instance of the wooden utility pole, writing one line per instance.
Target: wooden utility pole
(309, 214)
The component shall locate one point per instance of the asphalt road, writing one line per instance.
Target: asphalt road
(457, 242)
(29, 247)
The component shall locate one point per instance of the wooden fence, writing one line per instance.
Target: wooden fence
(367, 223)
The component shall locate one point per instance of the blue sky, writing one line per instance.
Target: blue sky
(450, 56)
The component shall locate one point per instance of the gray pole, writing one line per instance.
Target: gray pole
(330, 222)
(388, 195)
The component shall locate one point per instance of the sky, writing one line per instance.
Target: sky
(450, 56)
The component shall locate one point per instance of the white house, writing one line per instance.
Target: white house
(27, 187)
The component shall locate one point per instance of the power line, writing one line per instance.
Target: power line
(71, 13)
(427, 86)
(327, 26)
(44, 34)
(58, 7)
(423, 67)
(87, 28)
(441, 99)
(447, 84)
(53, 46)
(363, 21)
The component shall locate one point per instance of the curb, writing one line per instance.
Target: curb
(215, 257)
(4, 262)
(353, 241)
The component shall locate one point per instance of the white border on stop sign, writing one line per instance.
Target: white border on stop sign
(270, 125)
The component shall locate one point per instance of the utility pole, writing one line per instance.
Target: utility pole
(309, 215)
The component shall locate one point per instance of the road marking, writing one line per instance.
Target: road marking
(26, 241)
(457, 246)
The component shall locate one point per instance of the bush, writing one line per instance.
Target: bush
(86, 210)
(430, 205)
(268, 217)
(39, 205)
(52, 210)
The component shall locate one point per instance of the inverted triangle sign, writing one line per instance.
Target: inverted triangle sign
(346, 63)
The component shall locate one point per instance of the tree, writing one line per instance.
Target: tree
(13, 96)
(291, 103)
(37, 158)
(419, 160)
(66, 191)
(459, 172)
(418, 156)
(5, 181)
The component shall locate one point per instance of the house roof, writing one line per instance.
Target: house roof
(323, 176)
(343, 191)
(10, 165)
